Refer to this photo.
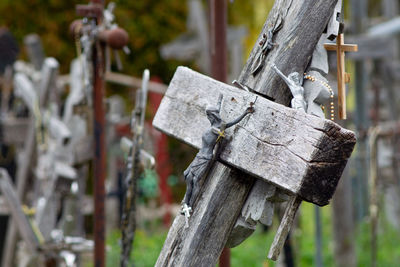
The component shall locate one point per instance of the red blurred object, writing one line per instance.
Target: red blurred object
(163, 167)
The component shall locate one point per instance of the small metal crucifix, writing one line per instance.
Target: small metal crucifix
(342, 76)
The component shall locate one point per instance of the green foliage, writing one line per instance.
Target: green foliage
(145, 250)
(388, 253)
(252, 16)
(253, 251)
(150, 24)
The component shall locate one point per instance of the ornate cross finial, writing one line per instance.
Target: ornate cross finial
(342, 76)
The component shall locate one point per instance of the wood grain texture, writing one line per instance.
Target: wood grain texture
(303, 24)
(210, 223)
(300, 153)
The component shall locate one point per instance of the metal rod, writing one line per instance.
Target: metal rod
(218, 26)
(218, 53)
(99, 162)
(359, 18)
(99, 155)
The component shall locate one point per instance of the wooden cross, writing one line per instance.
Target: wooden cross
(300, 153)
(273, 132)
(342, 76)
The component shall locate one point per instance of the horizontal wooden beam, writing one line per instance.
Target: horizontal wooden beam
(297, 152)
(344, 48)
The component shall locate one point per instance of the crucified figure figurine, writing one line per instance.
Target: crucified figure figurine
(294, 83)
(201, 163)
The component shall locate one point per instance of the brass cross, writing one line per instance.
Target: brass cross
(342, 76)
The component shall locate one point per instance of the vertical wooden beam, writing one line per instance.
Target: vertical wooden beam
(341, 83)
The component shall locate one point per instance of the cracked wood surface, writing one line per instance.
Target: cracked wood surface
(297, 152)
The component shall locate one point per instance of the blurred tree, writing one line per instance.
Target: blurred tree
(149, 24)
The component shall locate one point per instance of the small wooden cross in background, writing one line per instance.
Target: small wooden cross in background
(342, 76)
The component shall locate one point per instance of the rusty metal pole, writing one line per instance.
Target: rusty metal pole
(219, 68)
(99, 160)
(99, 163)
(116, 38)
(218, 28)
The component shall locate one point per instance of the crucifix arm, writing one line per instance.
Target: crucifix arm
(287, 81)
(238, 119)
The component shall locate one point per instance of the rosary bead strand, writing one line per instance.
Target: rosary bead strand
(313, 79)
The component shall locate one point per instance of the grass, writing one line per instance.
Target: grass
(253, 251)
